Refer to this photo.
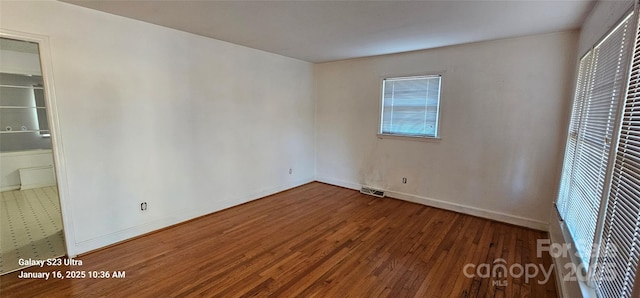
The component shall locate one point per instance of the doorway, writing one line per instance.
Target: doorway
(31, 216)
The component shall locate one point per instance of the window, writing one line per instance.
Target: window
(620, 245)
(410, 106)
(600, 85)
(599, 196)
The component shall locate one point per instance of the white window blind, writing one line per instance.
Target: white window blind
(592, 125)
(410, 106)
(620, 245)
(582, 85)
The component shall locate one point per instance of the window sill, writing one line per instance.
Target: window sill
(410, 138)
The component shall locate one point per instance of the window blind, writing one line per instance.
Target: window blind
(620, 246)
(410, 106)
(582, 85)
(597, 102)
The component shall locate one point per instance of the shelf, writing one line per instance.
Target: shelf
(22, 87)
(21, 107)
(23, 131)
(22, 75)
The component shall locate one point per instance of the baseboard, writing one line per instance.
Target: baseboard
(153, 225)
(464, 209)
(36, 177)
(340, 183)
(479, 212)
(90, 245)
(10, 187)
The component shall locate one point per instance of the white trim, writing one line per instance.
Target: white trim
(46, 66)
(36, 177)
(409, 138)
(460, 208)
(479, 212)
(340, 183)
(179, 217)
(562, 289)
(566, 288)
(10, 188)
(436, 138)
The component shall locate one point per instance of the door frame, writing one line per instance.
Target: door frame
(46, 68)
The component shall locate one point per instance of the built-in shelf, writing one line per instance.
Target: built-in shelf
(24, 111)
(22, 87)
(21, 107)
(23, 131)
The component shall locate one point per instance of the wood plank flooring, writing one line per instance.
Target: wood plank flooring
(316, 240)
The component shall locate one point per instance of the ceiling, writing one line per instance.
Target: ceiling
(322, 31)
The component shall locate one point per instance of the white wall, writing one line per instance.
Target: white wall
(503, 123)
(12, 162)
(188, 124)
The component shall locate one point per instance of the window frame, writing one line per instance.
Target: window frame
(598, 257)
(419, 138)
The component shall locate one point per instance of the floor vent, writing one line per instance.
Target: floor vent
(372, 191)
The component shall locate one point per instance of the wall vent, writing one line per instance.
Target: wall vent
(372, 191)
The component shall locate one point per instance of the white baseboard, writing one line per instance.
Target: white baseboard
(340, 183)
(179, 217)
(36, 177)
(465, 209)
(109, 239)
(10, 187)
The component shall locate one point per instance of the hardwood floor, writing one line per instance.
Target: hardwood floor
(315, 240)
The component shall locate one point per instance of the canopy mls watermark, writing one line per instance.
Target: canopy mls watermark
(500, 271)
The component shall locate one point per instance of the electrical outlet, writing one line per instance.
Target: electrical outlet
(290, 171)
(404, 180)
(143, 206)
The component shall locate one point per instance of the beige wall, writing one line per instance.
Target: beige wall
(503, 116)
(188, 124)
(193, 125)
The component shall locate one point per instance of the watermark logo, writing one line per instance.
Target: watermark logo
(603, 266)
(555, 250)
(499, 271)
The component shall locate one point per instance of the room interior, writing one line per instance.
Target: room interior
(158, 119)
(31, 218)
